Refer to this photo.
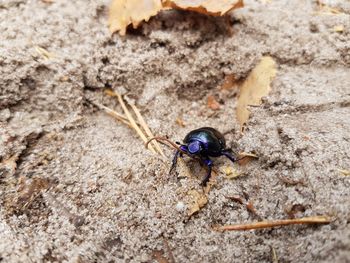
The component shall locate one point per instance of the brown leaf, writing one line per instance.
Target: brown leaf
(125, 12)
(212, 103)
(255, 87)
(198, 201)
(230, 172)
(230, 82)
(208, 7)
(179, 121)
(244, 158)
(344, 172)
(338, 28)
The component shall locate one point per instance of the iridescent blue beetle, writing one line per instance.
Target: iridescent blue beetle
(204, 143)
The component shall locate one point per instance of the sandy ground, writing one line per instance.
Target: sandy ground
(106, 198)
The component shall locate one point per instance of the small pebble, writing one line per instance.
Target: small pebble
(180, 206)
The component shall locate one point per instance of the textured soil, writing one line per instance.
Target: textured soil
(78, 186)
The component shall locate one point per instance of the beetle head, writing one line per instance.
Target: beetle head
(194, 147)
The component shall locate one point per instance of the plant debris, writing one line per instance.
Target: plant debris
(230, 172)
(274, 255)
(293, 210)
(257, 85)
(123, 13)
(248, 204)
(133, 123)
(324, 9)
(44, 53)
(244, 158)
(344, 172)
(28, 191)
(208, 7)
(212, 103)
(275, 223)
(197, 202)
(338, 28)
(230, 82)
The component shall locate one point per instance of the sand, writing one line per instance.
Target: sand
(102, 197)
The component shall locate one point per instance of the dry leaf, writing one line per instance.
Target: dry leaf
(208, 7)
(339, 28)
(44, 53)
(344, 172)
(198, 201)
(324, 9)
(230, 172)
(179, 121)
(230, 82)
(255, 87)
(212, 103)
(244, 158)
(125, 12)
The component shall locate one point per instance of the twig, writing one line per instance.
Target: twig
(146, 128)
(130, 118)
(235, 198)
(111, 112)
(274, 255)
(268, 224)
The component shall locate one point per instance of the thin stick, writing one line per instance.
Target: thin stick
(146, 128)
(132, 120)
(160, 139)
(111, 112)
(268, 224)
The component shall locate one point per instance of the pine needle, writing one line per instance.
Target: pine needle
(130, 117)
(144, 125)
(113, 113)
(269, 224)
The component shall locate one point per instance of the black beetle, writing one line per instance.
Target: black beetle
(204, 143)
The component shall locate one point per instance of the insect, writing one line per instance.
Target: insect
(204, 143)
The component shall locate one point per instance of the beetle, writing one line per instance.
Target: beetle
(204, 143)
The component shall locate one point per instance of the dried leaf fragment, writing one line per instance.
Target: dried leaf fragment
(324, 9)
(230, 82)
(125, 12)
(198, 201)
(44, 53)
(244, 158)
(338, 28)
(230, 172)
(208, 7)
(257, 85)
(344, 172)
(212, 103)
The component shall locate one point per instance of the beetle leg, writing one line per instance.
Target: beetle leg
(177, 153)
(208, 163)
(228, 155)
